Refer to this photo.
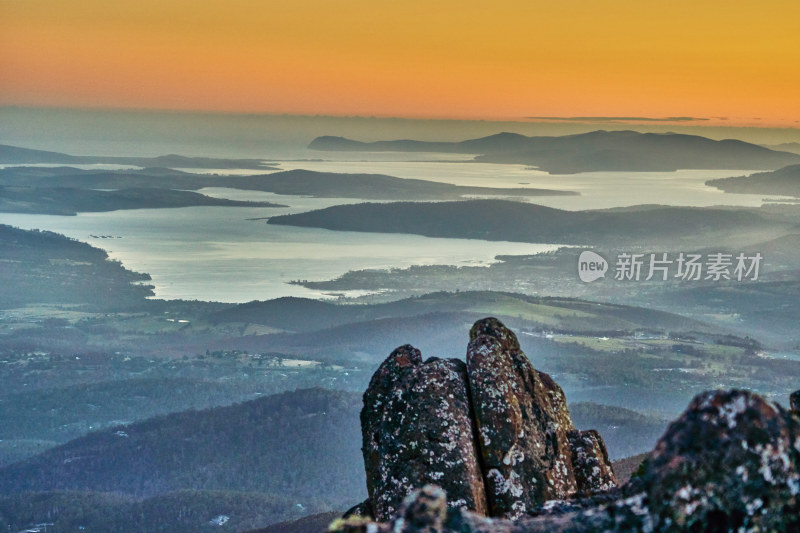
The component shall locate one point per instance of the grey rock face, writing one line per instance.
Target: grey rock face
(523, 424)
(494, 433)
(363, 509)
(590, 464)
(417, 430)
(731, 462)
(425, 510)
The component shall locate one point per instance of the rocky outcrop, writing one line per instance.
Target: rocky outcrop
(593, 472)
(794, 401)
(424, 511)
(523, 424)
(417, 429)
(494, 434)
(731, 462)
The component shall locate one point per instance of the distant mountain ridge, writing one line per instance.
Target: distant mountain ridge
(588, 152)
(792, 147)
(306, 315)
(15, 155)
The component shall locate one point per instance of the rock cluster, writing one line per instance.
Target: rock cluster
(494, 433)
(506, 458)
(524, 427)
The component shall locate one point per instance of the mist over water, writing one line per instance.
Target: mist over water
(217, 253)
(154, 133)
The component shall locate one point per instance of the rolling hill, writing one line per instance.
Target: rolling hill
(291, 182)
(784, 182)
(626, 432)
(305, 315)
(42, 266)
(271, 445)
(70, 201)
(501, 220)
(225, 469)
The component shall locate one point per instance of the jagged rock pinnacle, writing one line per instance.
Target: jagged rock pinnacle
(495, 433)
(522, 421)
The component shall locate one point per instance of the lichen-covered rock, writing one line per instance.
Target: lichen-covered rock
(417, 430)
(590, 464)
(560, 517)
(794, 401)
(358, 524)
(731, 462)
(523, 424)
(495, 434)
(363, 509)
(424, 510)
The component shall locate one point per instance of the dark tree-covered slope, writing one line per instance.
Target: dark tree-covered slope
(301, 444)
(45, 267)
(516, 221)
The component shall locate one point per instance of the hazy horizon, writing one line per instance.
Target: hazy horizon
(282, 136)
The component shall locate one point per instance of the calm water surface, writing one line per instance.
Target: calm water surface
(599, 190)
(221, 254)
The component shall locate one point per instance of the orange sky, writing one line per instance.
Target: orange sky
(437, 58)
